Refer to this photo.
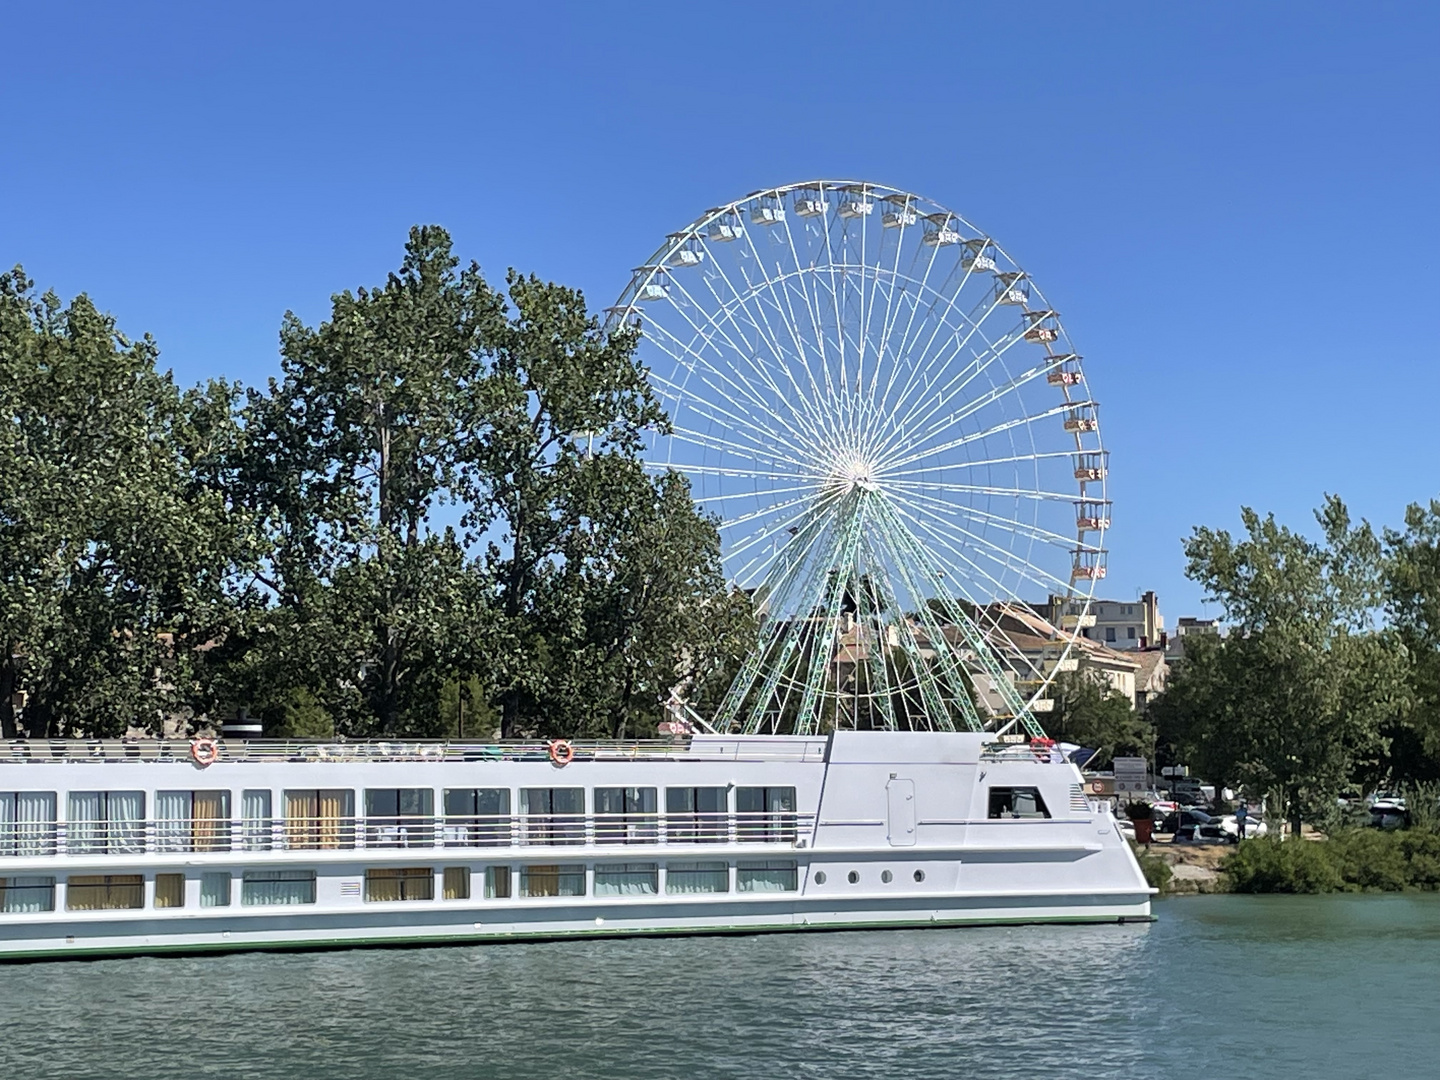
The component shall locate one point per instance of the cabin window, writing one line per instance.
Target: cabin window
(169, 890)
(456, 884)
(25, 894)
(696, 815)
(765, 814)
(1017, 802)
(552, 815)
(104, 892)
(105, 821)
(215, 889)
(400, 883)
(477, 817)
(626, 815)
(192, 821)
(399, 817)
(320, 819)
(770, 875)
(497, 882)
(627, 879)
(263, 888)
(566, 879)
(256, 824)
(697, 877)
(27, 823)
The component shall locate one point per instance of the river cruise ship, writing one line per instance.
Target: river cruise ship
(171, 846)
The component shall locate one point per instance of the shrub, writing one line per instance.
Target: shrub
(1156, 870)
(1370, 859)
(1422, 852)
(1268, 865)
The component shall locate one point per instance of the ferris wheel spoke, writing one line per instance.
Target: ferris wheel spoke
(1014, 525)
(988, 549)
(893, 476)
(965, 440)
(744, 352)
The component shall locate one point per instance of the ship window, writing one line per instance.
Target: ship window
(169, 890)
(565, 879)
(256, 825)
(696, 815)
(625, 815)
(456, 885)
(497, 882)
(477, 817)
(765, 814)
(552, 815)
(627, 879)
(819, 877)
(104, 892)
(25, 894)
(697, 877)
(853, 877)
(919, 876)
(105, 821)
(261, 888)
(27, 823)
(400, 883)
(320, 819)
(1017, 802)
(887, 876)
(192, 821)
(399, 817)
(215, 888)
(770, 875)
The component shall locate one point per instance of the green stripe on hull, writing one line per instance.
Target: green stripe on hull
(317, 945)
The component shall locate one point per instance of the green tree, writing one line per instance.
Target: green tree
(118, 547)
(1292, 701)
(348, 460)
(1412, 604)
(1090, 712)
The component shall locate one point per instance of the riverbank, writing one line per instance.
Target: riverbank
(1353, 860)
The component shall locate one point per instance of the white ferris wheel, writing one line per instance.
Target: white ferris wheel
(895, 434)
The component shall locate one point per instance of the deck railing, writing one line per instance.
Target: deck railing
(181, 835)
(777, 748)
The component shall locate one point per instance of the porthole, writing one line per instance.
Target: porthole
(919, 875)
(886, 876)
(853, 877)
(819, 877)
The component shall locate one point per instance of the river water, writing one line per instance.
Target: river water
(1221, 986)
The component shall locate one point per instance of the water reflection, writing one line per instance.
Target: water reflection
(1247, 987)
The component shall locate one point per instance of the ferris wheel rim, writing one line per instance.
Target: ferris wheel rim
(927, 520)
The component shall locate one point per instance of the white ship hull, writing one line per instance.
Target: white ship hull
(860, 830)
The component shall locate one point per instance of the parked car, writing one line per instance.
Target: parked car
(1254, 826)
(1126, 828)
(1388, 811)
(1194, 826)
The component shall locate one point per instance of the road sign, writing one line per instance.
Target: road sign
(1131, 776)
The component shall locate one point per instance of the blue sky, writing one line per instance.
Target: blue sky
(1234, 205)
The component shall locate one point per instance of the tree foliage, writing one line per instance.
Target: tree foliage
(1090, 712)
(118, 546)
(1292, 702)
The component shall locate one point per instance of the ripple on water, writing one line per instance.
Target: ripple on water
(1227, 986)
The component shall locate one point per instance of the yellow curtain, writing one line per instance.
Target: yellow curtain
(99, 892)
(382, 885)
(332, 810)
(300, 814)
(542, 880)
(457, 883)
(209, 813)
(169, 890)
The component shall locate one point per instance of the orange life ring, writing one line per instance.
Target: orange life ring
(205, 752)
(561, 752)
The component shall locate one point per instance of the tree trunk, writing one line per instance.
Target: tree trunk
(8, 684)
(1293, 799)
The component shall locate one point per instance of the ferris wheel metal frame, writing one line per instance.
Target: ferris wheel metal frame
(810, 346)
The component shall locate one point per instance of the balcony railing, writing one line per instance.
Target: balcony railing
(680, 748)
(175, 836)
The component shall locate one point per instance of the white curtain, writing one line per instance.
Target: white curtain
(255, 821)
(35, 823)
(265, 887)
(697, 877)
(127, 821)
(7, 823)
(85, 822)
(23, 894)
(215, 889)
(174, 811)
(774, 876)
(626, 879)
